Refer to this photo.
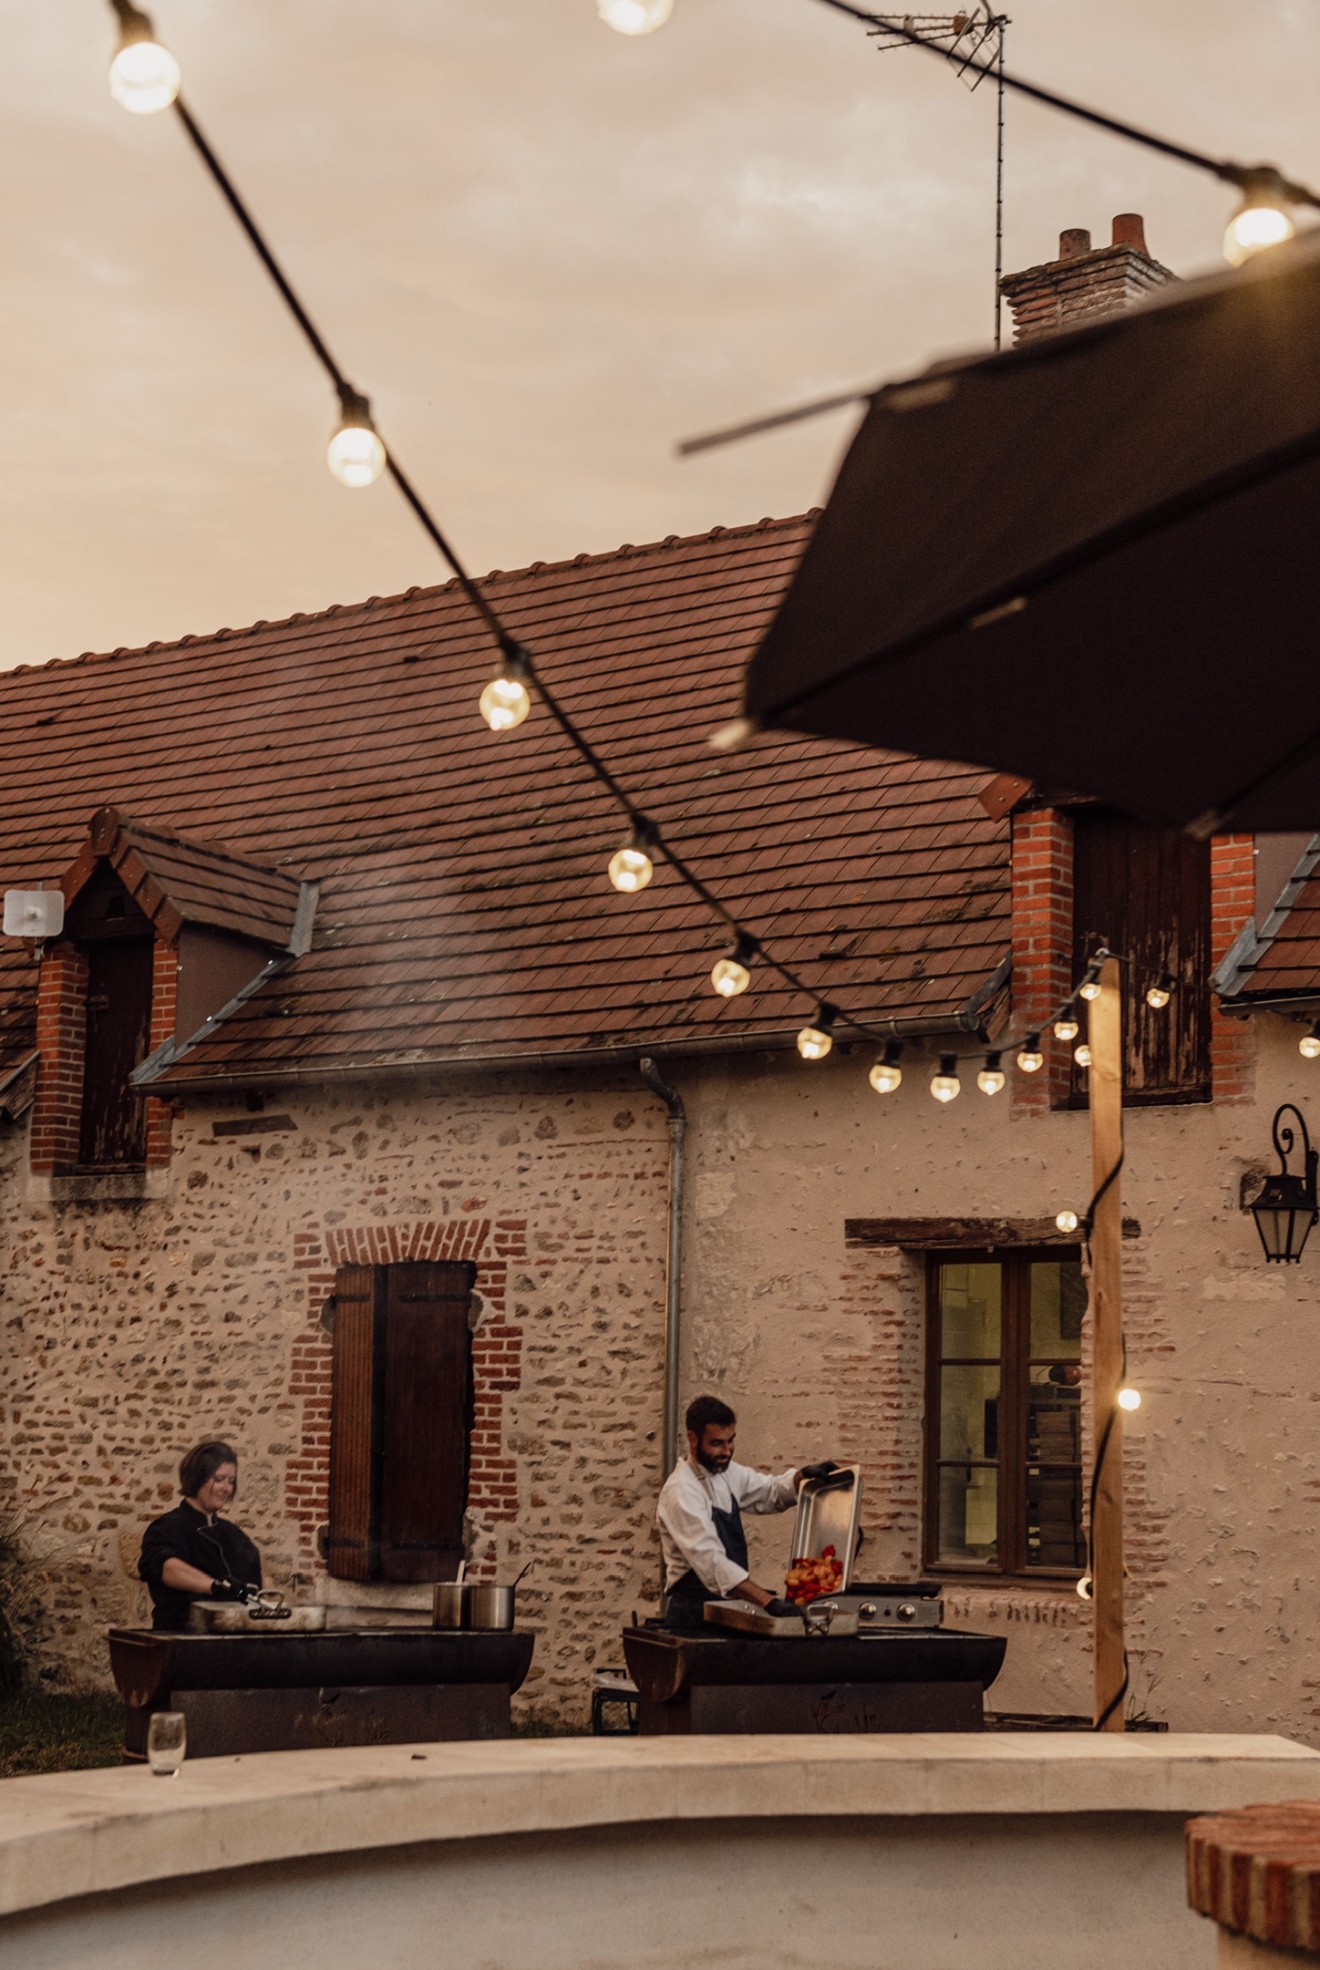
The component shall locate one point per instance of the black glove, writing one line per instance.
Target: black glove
(823, 1469)
(780, 1607)
(235, 1590)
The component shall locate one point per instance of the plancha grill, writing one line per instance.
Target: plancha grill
(864, 1609)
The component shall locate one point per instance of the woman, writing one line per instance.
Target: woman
(190, 1553)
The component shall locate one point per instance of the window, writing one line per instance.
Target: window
(118, 948)
(400, 1416)
(1003, 1412)
(1145, 892)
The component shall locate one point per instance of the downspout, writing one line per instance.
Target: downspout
(673, 1101)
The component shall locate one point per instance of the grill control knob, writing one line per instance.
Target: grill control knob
(905, 1611)
(867, 1611)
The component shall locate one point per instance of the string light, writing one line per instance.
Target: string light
(355, 454)
(814, 1042)
(635, 16)
(1067, 1221)
(1261, 221)
(886, 1077)
(991, 1077)
(1089, 988)
(944, 1084)
(1030, 1058)
(144, 76)
(1067, 1026)
(631, 865)
(1084, 1587)
(506, 701)
(1159, 994)
(1082, 1055)
(1128, 1398)
(730, 975)
(1309, 1044)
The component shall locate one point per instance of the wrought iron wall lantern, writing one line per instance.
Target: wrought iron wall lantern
(1286, 1208)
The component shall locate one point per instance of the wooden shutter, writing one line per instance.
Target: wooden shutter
(355, 1391)
(401, 1415)
(113, 1129)
(426, 1419)
(1145, 892)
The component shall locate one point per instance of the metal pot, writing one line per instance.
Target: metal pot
(490, 1607)
(449, 1606)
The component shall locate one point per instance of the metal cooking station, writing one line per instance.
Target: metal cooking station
(866, 1657)
(285, 1687)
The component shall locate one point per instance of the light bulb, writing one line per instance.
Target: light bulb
(945, 1085)
(144, 76)
(631, 867)
(1082, 1055)
(1128, 1398)
(991, 1077)
(814, 1042)
(1089, 989)
(1067, 1221)
(1067, 1026)
(1309, 1044)
(1159, 994)
(1084, 1586)
(505, 702)
(1030, 1058)
(355, 454)
(635, 16)
(729, 978)
(1262, 220)
(887, 1076)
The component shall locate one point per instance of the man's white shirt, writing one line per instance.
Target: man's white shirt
(688, 1538)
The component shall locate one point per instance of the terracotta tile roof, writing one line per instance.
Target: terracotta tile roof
(176, 881)
(464, 908)
(1282, 960)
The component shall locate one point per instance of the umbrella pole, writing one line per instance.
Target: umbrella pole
(1106, 1041)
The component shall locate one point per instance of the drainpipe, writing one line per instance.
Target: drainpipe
(673, 1101)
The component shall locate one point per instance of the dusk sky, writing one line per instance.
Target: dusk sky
(546, 251)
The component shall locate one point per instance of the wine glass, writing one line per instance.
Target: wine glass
(167, 1740)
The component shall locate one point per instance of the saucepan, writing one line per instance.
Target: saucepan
(458, 1604)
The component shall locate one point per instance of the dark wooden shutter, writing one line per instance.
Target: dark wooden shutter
(1145, 892)
(113, 1123)
(401, 1417)
(426, 1420)
(355, 1388)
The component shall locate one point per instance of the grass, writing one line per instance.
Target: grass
(59, 1733)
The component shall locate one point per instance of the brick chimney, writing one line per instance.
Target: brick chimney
(1084, 284)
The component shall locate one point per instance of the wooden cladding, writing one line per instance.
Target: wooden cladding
(400, 1419)
(1145, 893)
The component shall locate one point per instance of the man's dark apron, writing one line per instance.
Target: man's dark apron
(684, 1609)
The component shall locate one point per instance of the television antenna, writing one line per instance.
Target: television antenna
(963, 36)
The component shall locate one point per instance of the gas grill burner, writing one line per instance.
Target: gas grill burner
(863, 1610)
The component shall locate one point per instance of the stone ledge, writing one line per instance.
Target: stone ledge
(82, 1833)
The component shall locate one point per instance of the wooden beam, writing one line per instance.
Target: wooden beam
(962, 1234)
(1106, 1090)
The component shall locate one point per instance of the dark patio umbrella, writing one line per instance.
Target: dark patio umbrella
(1094, 560)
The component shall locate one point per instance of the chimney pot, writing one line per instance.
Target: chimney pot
(1130, 230)
(1074, 243)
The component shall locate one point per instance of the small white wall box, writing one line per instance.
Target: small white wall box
(34, 912)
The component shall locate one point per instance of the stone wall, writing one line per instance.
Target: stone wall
(130, 1330)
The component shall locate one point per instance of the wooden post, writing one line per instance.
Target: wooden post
(1106, 1084)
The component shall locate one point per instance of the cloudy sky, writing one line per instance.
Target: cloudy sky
(547, 252)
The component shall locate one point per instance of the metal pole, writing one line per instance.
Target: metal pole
(999, 194)
(1106, 1041)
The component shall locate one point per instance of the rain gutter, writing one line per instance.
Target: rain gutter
(673, 1101)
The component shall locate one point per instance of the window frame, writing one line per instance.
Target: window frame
(1015, 1363)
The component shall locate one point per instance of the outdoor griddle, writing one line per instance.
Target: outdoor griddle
(299, 1692)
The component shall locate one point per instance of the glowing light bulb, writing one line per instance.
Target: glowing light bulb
(1067, 1221)
(1128, 1398)
(887, 1076)
(991, 1077)
(814, 1042)
(1067, 1026)
(505, 702)
(1261, 221)
(1309, 1044)
(730, 975)
(144, 76)
(1030, 1058)
(635, 16)
(1159, 994)
(1089, 989)
(945, 1085)
(631, 866)
(1082, 1055)
(1084, 1587)
(355, 454)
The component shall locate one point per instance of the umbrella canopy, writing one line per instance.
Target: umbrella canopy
(1093, 560)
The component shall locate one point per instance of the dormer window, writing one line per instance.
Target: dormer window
(117, 947)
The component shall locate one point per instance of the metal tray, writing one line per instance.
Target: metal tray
(828, 1517)
(232, 1618)
(823, 1617)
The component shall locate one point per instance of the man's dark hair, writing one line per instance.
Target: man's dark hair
(706, 1409)
(202, 1462)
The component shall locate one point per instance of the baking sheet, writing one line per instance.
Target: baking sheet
(828, 1517)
